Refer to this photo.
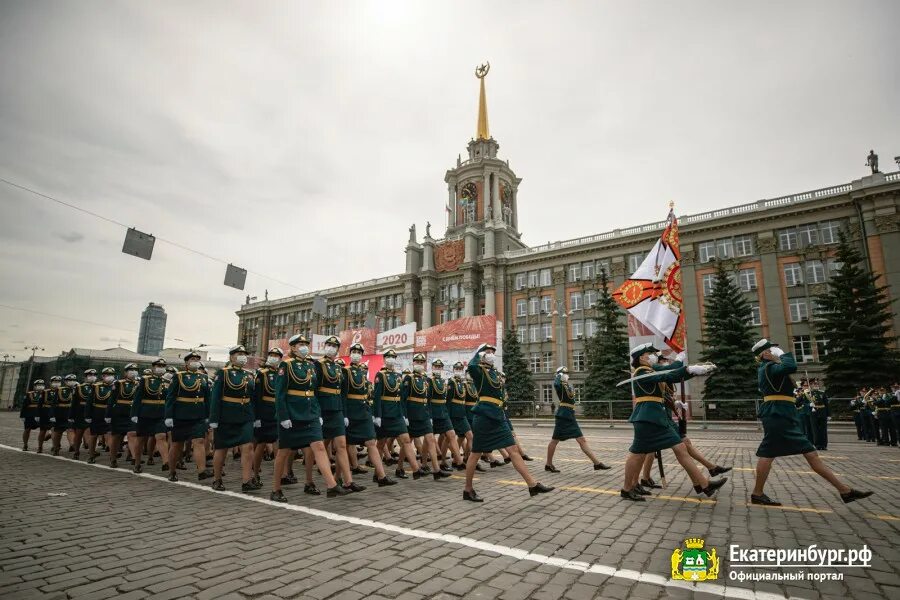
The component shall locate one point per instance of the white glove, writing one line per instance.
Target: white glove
(321, 421)
(71, 420)
(700, 369)
(257, 424)
(346, 422)
(53, 419)
(134, 419)
(405, 420)
(213, 425)
(169, 423)
(681, 356)
(88, 421)
(108, 420)
(829, 418)
(287, 424)
(776, 351)
(377, 421)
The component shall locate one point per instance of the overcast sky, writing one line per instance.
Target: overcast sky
(300, 140)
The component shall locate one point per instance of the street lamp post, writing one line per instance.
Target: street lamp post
(34, 350)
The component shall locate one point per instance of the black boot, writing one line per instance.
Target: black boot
(763, 500)
(472, 496)
(550, 469)
(539, 488)
(854, 495)
(713, 485)
(277, 496)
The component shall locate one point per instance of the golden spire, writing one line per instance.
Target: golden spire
(483, 132)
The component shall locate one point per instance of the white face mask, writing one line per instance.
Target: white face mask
(108, 378)
(652, 359)
(564, 377)
(158, 370)
(273, 361)
(193, 365)
(39, 388)
(301, 350)
(355, 357)
(389, 361)
(489, 358)
(418, 368)
(330, 351)
(90, 379)
(458, 374)
(71, 383)
(240, 359)
(131, 374)
(167, 376)
(54, 384)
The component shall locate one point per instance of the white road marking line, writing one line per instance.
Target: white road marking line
(516, 553)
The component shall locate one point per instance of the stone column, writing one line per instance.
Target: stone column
(486, 194)
(451, 199)
(410, 306)
(469, 307)
(489, 240)
(426, 309)
(495, 198)
(428, 255)
(490, 305)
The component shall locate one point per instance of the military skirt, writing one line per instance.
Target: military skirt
(80, 423)
(266, 433)
(60, 425)
(333, 424)
(229, 435)
(566, 428)
(419, 427)
(461, 425)
(783, 435)
(30, 423)
(189, 429)
(360, 431)
(391, 427)
(147, 427)
(441, 425)
(650, 437)
(99, 426)
(300, 435)
(121, 425)
(469, 414)
(489, 434)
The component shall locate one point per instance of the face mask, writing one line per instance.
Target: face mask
(355, 357)
(489, 358)
(273, 361)
(418, 368)
(158, 370)
(90, 379)
(330, 351)
(167, 377)
(389, 361)
(652, 359)
(457, 374)
(54, 384)
(108, 378)
(39, 388)
(302, 350)
(71, 383)
(240, 359)
(193, 365)
(131, 374)
(565, 377)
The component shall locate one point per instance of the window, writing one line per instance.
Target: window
(815, 271)
(755, 316)
(821, 348)
(454, 313)
(590, 327)
(575, 272)
(747, 279)
(724, 248)
(578, 360)
(547, 360)
(743, 245)
(575, 301)
(546, 278)
(709, 281)
(828, 232)
(442, 318)
(520, 281)
(635, 260)
(521, 335)
(603, 265)
(577, 328)
(454, 291)
(534, 332)
(545, 304)
(797, 309)
(793, 274)
(546, 331)
(534, 305)
(547, 393)
(534, 362)
(833, 266)
(398, 301)
(577, 391)
(532, 279)
(787, 239)
(520, 308)
(707, 251)
(808, 234)
(803, 348)
(587, 270)
(590, 298)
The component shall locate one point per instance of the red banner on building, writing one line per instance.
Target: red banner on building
(461, 334)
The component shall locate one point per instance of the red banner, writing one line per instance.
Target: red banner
(363, 336)
(461, 334)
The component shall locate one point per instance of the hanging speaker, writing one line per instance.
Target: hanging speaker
(235, 277)
(138, 243)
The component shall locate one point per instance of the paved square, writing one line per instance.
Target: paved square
(116, 534)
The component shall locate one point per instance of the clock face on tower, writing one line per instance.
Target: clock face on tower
(468, 200)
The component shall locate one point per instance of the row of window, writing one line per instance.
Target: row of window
(586, 270)
(795, 273)
(730, 247)
(811, 234)
(544, 304)
(544, 331)
(533, 279)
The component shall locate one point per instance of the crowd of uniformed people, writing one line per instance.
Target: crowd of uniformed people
(876, 414)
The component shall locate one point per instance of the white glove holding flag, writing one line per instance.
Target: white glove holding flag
(377, 421)
(701, 369)
(776, 351)
(287, 424)
(169, 423)
(134, 419)
(681, 357)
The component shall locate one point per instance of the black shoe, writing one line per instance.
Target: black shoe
(479, 468)
(440, 475)
(76, 456)
(218, 486)
(138, 468)
(639, 490)
(204, 475)
(71, 449)
(354, 487)
(165, 466)
(114, 464)
(601, 467)
(495, 464)
(385, 481)
(650, 484)
(527, 458)
(473, 496)
(717, 470)
(854, 495)
(311, 489)
(277, 496)
(292, 479)
(419, 474)
(150, 462)
(173, 476)
(287, 481)
(551, 469)
(130, 459)
(54, 451)
(632, 495)
(256, 482)
(359, 470)
(401, 474)
(248, 487)
(460, 466)
(425, 468)
(389, 461)
(336, 491)
(507, 460)
(446, 468)
(181, 466)
(764, 500)
(370, 464)
(713, 485)
(539, 488)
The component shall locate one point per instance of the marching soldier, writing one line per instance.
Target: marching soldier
(61, 403)
(148, 412)
(782, 435)
(186, 413)
(390, 415)
(118, 414)
(334, 422)
(566, 426)
(883, 401)
(265, 428)
(415, 393)
(299, 418)
(361, 423)
(30, 412)
(48, 399)
(489, 427)
(231, 418)
(820, 414)
(456, 404)
(804, 410)
(653, 429)
(440, 416)
(856, 406)
(95, 410)
(868, 412)
(81, 399)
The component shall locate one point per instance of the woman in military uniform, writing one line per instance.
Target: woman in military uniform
(360, 422)
(415, 394)
(45, 411)
(782, 433)
(441, 424)
(231, 418)
(118, 413)
(30, 412)
(390, 415)
(265, 428)
(299, 417)
(489, 427)
(148, 413)
(456, 405)
(566, 425)
(186, 414)
(95, 410)
(81, 400)
(61, 403)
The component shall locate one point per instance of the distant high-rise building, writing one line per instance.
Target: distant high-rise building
(153, 330)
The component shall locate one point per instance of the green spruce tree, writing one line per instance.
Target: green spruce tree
(607, 358)
(854, 316)
(728, 337)
(519, 380)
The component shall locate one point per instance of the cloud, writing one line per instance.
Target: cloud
(70, 237)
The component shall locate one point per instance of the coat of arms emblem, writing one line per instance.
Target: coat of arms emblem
(694, 563)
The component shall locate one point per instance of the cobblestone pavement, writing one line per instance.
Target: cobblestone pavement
(116, 534)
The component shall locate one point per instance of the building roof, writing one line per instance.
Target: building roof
(113, 354)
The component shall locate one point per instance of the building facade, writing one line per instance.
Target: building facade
(152, 334)
(779, 250)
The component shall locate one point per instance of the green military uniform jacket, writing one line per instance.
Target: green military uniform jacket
(819, 402)
(328, 388)
(99, 405)
(415, 393)
(295, 391)
(650, 392)
(62, 407)
(437, 397)
(123, 393)
(456, 398)
(149, 398)
(486, 384)
(355, 393)
(777, 387)
(51, 398)
(264, 394)
(386, 395)
(187, 398)
(231, 400)
(31, 405)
